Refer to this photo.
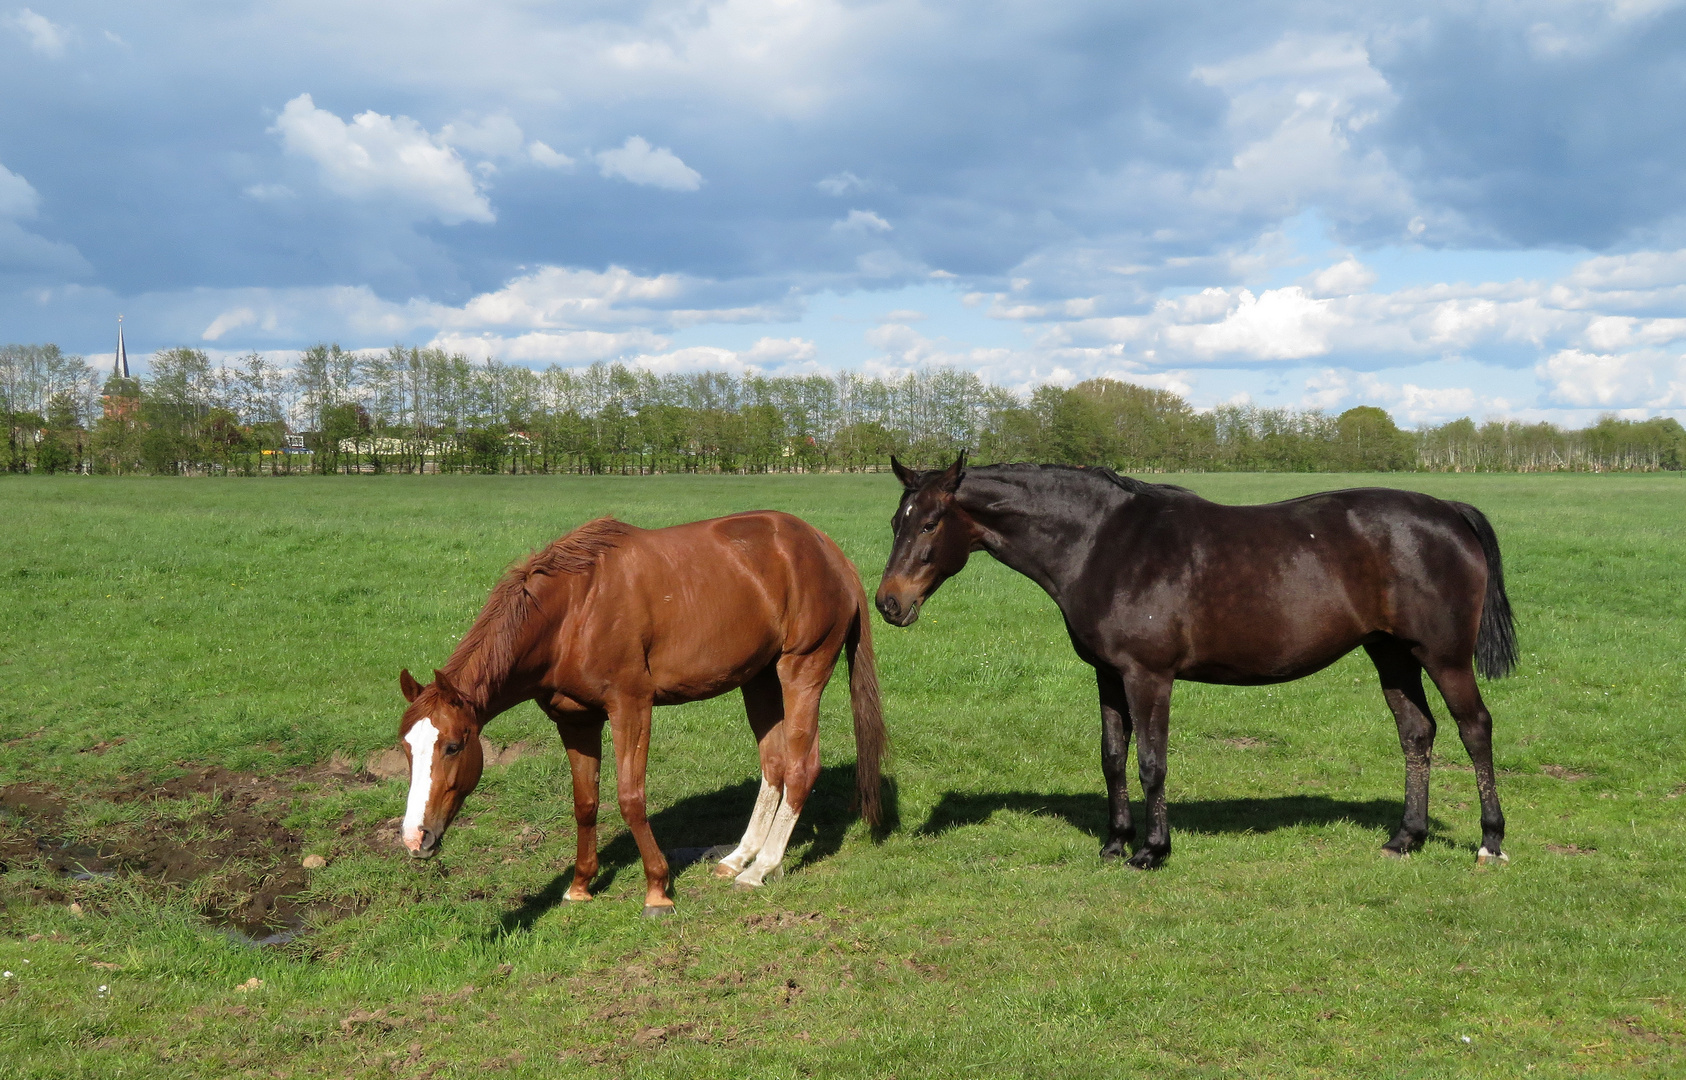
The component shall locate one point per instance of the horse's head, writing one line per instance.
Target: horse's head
(441, 736)
(933, 539)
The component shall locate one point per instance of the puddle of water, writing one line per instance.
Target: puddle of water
(260, 935)
(274, 937)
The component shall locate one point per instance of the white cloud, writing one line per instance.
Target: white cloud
(767, 356)
(550, 159)
(1648, 379)
(1336, 390)
(557, 347)
(653, 166)
(384, 157)
(45, 36)
(1296, 110)
(840, 184)
(229, 320)
(270, 192)
(1343, 279)
(862, 221)
(22, 251)
(17, 198)
(495, 136)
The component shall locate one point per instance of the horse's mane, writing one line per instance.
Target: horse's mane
(1099, 472)
(487, 651)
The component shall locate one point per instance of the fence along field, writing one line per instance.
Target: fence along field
(422, 410)
(233, 649)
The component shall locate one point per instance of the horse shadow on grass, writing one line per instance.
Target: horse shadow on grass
(697, 824)
(1088, 812)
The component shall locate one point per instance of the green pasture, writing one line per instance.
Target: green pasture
(259, 625)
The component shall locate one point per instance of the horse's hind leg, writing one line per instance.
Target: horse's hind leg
(803, 679)
(763, 700)
(1475, 727)
(1402, 684)
(1115, 764)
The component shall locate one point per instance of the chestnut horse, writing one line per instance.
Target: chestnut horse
(610, 620)
(1157, 584)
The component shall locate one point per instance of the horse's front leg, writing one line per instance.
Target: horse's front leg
(629, 719)
(1115, 761)
(1149, 698)
(583, 738)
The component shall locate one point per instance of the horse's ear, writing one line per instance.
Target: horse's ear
(442, 686)
(907, 476)
(407, 683)
(954, 474)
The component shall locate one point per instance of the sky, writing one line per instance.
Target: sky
(1442, 209)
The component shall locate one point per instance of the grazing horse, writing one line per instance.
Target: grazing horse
(1158, 584)
(610, 620)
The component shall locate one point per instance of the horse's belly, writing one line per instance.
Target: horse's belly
(1255, 652)
(1257, 673)
(712, 657)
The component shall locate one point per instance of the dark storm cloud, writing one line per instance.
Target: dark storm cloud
(241, 166)
(1542, 125)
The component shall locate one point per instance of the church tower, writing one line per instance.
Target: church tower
(120, 366)
(122, 393)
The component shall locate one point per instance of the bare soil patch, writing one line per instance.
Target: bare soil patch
(245, 864)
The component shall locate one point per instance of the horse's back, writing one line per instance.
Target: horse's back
(1276, 590)
(712, 602)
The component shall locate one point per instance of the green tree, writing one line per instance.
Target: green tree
(1369, 441)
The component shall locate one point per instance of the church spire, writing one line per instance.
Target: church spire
(120, 366)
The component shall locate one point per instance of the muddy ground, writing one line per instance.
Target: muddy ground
(211, 830)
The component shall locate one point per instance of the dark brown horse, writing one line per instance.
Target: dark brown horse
(1157, 584)
(611, 620)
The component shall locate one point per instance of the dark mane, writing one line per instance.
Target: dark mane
(1128, 483)
(487, 651)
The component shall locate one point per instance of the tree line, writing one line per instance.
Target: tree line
(413, 409)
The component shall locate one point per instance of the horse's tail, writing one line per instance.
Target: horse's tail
(871, 740)
(1495, 641)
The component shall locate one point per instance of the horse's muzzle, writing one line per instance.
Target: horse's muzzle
(895, 612)
(429, 846)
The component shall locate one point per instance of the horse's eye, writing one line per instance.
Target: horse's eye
(452, 748)
(929, 525)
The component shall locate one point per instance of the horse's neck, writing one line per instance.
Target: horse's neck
(1046, 531)
(496, 678)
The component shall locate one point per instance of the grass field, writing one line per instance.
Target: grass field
(190, 672)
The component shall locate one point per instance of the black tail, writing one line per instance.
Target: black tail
(871, 739)
(1495, 641)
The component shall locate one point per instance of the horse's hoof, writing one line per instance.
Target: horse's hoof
(657, 911)
(1395, 853)
(723, 870)
(1144, 860)
(570, 898)
(1490, 858)
(744, 886)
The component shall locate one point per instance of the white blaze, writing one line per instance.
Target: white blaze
(421, 738)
